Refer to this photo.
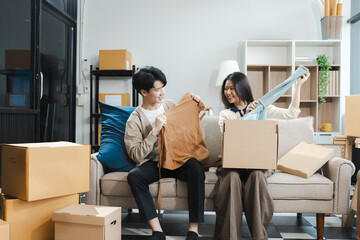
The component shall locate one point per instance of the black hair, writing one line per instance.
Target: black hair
(242, 88)
(145, 77)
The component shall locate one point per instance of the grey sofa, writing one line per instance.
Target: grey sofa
(320, 194)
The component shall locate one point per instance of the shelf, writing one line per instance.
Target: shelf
(309, 109)
(329, 112)
(266, 52)
(94, 98)
(270, 62)
(4, 110)
(310, 88)
(115, 73)
(332, 96)
(278, 74)
(259, 80)
(308, 101)
(282, 102)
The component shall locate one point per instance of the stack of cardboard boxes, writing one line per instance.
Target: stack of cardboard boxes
(352, 138)
(38, 179)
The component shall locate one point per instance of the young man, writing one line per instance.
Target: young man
(141, 141)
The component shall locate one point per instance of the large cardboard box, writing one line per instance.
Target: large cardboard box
(32, 220)
(305, 159)
(87, 222)
(250, 144)
(4, 230)
(37, 171)
(17, 59)
(115, 59)
(352, 115)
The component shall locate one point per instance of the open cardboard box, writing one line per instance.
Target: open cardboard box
(87, 222)
(250, 144)
(305, 159)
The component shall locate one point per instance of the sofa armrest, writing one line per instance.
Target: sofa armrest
(96, 172)
(340, 170)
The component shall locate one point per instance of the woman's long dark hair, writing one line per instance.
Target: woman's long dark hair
(242, 88)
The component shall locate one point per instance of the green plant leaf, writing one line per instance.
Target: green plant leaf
(325, 66)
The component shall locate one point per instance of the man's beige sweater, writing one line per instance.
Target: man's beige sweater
(140, 144)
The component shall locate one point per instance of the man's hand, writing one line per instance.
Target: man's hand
(195, 97)
(160, 121)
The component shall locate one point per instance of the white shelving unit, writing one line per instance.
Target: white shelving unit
(269, 62)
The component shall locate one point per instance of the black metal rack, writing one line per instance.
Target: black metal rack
(94, 106)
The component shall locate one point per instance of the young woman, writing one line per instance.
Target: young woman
(245, 190)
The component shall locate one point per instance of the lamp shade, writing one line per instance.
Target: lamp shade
(226, 67)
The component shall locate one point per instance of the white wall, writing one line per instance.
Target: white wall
(188, 39)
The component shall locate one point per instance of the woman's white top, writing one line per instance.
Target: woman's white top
(272, 112)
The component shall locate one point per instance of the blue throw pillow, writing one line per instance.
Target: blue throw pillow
(112, 152)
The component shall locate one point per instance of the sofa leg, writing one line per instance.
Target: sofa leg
(320, 217)
(129, 210)
(299, 215)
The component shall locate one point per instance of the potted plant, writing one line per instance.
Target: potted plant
(324, 65)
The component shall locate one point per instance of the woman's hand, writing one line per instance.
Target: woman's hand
(251, 106)
(195, 97)
(301, 80)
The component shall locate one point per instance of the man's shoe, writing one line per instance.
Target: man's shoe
(191, 235)
(158, 236)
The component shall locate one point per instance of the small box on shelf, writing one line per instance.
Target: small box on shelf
(114, 60)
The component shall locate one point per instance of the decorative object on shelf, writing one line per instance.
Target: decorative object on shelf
(226, 67)
(331, 19)
(324, 65)
(326, 127)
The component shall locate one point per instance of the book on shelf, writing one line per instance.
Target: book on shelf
(333, 87)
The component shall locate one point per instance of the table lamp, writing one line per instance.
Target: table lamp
(226, 67)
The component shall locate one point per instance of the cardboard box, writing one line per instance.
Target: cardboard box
(115, 99)
(32, 220)
(305, 159)
(87, 222)
(4, 230)
(352, 115)
(115, 60)
(37, 171)
(250, 144)
(17, 59)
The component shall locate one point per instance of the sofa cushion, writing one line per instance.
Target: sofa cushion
(292, 132)
(284, 186)
(212, 136)
(210, 180)
(112, 152)
(115, 183)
